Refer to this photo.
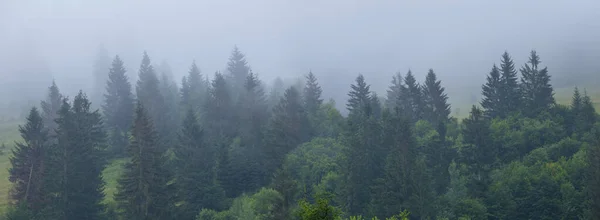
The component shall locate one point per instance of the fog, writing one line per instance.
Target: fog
(41, 40)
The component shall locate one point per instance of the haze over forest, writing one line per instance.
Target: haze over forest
(41, 40)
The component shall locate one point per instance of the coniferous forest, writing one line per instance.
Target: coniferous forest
(226, 145)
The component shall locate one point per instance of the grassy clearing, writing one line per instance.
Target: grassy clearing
(110, 175)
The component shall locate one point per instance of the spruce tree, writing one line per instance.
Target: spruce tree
(238, 70)
(118, 107)
(510, 95)
(142, 191)
(170, 92)
(78, 160)
(359, 102)
(50, 108)
(28, 160)
(196, 177)
(194, 90)
(276, 92)
(587, 117)
(436, 100)
(312, 94)
(148, 93)
(252, 112)
(220, 114)
(478, 151)
(538, 94)
(491, 92)
(287, 129)
(395, 93)
(414, 98)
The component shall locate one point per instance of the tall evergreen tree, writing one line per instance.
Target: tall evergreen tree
(50, 108)
(276, 92)
(287, 129)
(78, 161)
(491, 92)
(196, 177)
(100, 69)
(312, 94)
(148, 93)
(142, 191)
(478, 151)
(28, 161)
(238, 70)
(170, 92)
(538, 94)
(118, 107)
(414, 98)
(395, 93)
(510, 95)
(360, 98)
(194, 90)
(220, 114)
(436, 100)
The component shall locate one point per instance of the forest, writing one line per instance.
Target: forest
(227, 146)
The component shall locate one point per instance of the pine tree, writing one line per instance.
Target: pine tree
(238, 70)
(478, 151)
(510, 95)
(287, 129)
(436, 100)
(414, 98)
(588, 116)
(252, 112)
(142, 191)
(194, 90)
(196, 177)
(491, 92)
(538, 94)
(118, 107)
(220, 113)
(78, 160)
(312, 94)
(28, 163)
(50, 108)
(395, 93)
(148, 93)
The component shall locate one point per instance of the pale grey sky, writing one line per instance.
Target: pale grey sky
(337, 39)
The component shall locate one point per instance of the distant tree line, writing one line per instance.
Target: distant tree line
(224, 148)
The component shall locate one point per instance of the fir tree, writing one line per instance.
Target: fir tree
(28, 162)
(395, 93)
(148, 93)
(196, 178)
(491, 92)
(478, 152)
(360, 98)
(414, 98)
(436, 100)
(220, 114)
(287, 129)
(312, 94)
(587, 116)
(538, 94)
(170, 92)
(50, 108)
(118, 107)
(510, 95)
(252, 114)
(142, 188)
(194, 90)
(78, 160)
(238, 70)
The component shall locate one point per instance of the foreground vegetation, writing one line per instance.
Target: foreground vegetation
(226, 149)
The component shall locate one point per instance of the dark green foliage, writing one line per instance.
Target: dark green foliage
(195, 171)
(510, 94)
(593, 181)
(28, 164)
(478, 151)
(284, 183)
(143, 192)
(118, 107)
(538, 94)
(50, 108)
(491, 91)
(77, 161)
(436, 104)
(321, 210)
(359, 102)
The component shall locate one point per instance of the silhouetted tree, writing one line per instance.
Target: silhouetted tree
(118, 107)
(538, 94)
(491, 91)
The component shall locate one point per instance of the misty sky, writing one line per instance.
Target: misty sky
(336, 39)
